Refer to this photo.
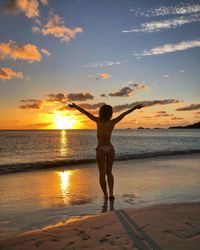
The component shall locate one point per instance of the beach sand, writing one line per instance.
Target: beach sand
(169, 226)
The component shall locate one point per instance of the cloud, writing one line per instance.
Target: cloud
(45, 52)
(44, 2)
(55, 27)
(125, 91)
(8, 74)
(87, 106)
(80, 96)
(55, 99)
(181, 9)
(190, 107)
(36, 29)
(100, 76)
(28, 52)
(37, 21)
(28, 7)
(104, 76)
(163, 114)
(92, 106)
(60, 98)
(166, 76)
(172, 23)
(168, 48)
(129, 89)
(105, 63)
(119, 108)
(63, 98)
(31, 104)
(177, 118)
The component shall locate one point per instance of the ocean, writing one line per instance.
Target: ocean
(27, 150)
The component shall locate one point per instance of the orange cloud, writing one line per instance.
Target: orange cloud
(56, 27)
(27, 52)
(28, 7)
(8, 73)
(104, 75)
(100, 76)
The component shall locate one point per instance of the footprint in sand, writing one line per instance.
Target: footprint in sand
(107, 239)
(82, 234)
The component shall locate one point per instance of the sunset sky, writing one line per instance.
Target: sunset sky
(118, 52)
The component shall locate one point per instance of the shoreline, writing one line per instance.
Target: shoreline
(170, 226)
(34, 166)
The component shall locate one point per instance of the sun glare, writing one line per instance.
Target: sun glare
(64, 122)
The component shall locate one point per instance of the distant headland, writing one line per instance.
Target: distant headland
(195, 125)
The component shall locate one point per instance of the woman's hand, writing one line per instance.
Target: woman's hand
(73, 105)
(139, 106)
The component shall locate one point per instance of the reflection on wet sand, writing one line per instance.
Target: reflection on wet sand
(65, 185)
(75, 187)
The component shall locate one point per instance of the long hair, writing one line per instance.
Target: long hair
(105, 113)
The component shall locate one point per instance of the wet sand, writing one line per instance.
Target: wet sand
(36, 199)
(170, 226)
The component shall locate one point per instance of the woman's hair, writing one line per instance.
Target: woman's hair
(105, 113)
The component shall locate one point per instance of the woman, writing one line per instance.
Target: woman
(105, 152)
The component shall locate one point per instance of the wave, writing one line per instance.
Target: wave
(24, 167)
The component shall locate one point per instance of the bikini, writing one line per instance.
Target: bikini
(107, 149)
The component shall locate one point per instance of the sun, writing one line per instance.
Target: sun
(64, 122)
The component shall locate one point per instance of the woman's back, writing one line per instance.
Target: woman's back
(104, 132)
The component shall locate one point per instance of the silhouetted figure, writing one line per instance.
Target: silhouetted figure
(105, 152)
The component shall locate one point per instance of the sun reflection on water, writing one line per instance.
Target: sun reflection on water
(63, 143)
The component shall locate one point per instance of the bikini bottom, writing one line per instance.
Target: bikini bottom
(107, 149)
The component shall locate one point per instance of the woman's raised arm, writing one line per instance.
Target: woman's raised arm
(83, 111)
(121, 116)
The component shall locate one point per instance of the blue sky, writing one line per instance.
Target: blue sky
(155, 43)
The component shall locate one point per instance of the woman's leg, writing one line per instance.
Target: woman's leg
(100, 156)
(109, 163)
